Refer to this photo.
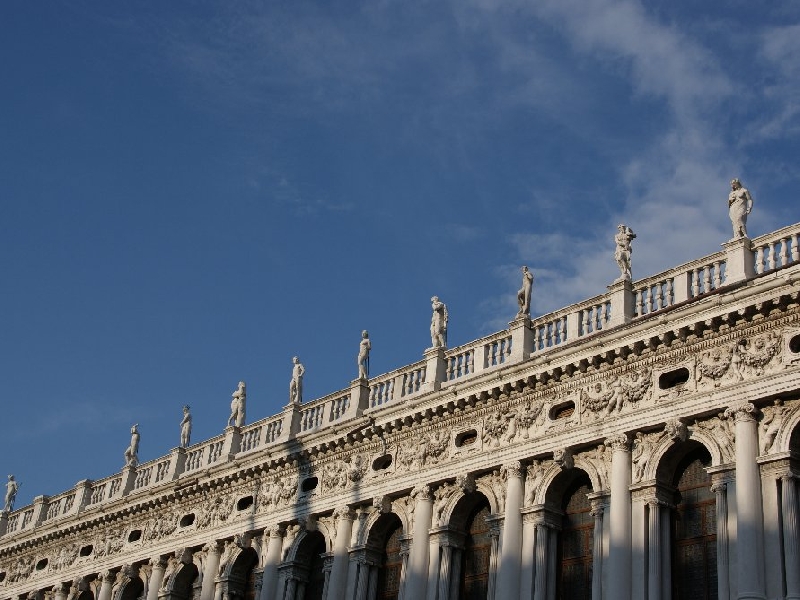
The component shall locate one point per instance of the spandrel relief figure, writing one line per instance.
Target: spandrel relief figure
(238, 405)
(296, 384)
(623, 251)
(363, 356)
(438, 323)
(132, 451)
(524, 293)
(740, 203)
(11, 493)
(186, 427)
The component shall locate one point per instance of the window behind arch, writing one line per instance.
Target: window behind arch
(476, 556)
(575, 547)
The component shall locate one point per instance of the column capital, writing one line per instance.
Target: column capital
(619, 442)
(275, 531)
(157, 562)
(422, 491)
(719, 487)
(213, 547)
(344, 512)
(742, 412)
(512, 469)
(108, 576)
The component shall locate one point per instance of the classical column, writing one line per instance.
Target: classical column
(721, 491)
(404, 549)
(542, 552)
(791, 536)
(654, 550)
(344, 529)
(362, 577)
(444, 570)
(157, 565)
(666, 555)
(59, 592)
(291, 588)
(749, 524)
(455, 573)
(210, 568)
(508, 571)
(619, 555)
(494, 553)
(527, 568)
(416, 578)
(598, 509)
(108, 578)
(269, 582)
(327, 564)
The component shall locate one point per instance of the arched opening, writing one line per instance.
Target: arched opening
(309, 565)
(85, 595)
(132, 590)
(694, 529)
(472, 559)
(576, 541)
(179, 586)
(383, 545)
(237, 580)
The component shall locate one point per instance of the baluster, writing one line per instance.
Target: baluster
(449, 373)
(784, 255)
(559, 338)
(564, 329)
(659, 297)
(795, 251)
(639, 301)
(670, 299)
(717, 274)
(373, 392)
(471, 363)
(707, 279)
(760, 260)
(549, 329)
(584, 319)
(649, 300)
(695, 279)
(771, 259)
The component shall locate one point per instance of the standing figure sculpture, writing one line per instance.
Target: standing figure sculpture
(186, 427)
(238, 405)
(11, 493)
(740, 203)
(132, 451)
(622, 254)
(296, 384)
(524, 294)
(438, 323)
(363, 356)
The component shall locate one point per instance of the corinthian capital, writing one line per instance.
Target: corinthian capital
(619, 441)
(512, 469)
(741, 411)
(422, 492)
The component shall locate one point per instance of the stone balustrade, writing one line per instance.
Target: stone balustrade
(624, 302)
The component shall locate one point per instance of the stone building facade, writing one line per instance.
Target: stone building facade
(642, 444)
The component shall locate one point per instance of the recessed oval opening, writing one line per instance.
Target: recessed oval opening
(466, 438)
(2, 577)
(187, 520)
(135, 535)
(674, 378)
(244, 503)
(86, 550)
(382, 462)
(41, 564)
(794, 344)
(562, 411)
(310, 483)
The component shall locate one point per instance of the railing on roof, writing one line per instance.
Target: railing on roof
(440, 369)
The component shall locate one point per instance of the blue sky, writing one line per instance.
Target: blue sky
(194, 192)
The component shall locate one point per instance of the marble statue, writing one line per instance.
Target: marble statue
(524, 294)
(740, 203)
(296, 384)
(186, 427)
(11, 493)
(238, 405)
(363, 356)
(623, 252)
(132, 451)
(438, 323)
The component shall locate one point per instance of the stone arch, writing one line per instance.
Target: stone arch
(590, 468)
(178, 584)
(667, 455)
(464, 505)
(404, 509)
(551, 472)
(561, 484)
(380, 528)
(235, 573)
(129, 585)
(488, 489)
(788, 437)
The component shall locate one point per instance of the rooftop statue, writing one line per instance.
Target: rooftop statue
(186, 427)
(622, 254)
(740, 203)
(132, 451)
(296, 384)
(524, 294)
(363, 356)
(238, 405)
(11, 493)
(438, 323)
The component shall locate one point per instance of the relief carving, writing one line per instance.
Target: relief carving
(498, 427)
(215, 511)
(529, 414)
(275, 491)
(771, 424)
(750, 356)
(423, 449)
(721, 430)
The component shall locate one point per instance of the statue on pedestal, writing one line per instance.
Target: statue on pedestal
(238, 405)
(296, 384)
(438, 323)
(363, 356)
(524, 294)
(740, 203)
(11, 493)
(623, 252)
(186, 427)
(132, 451)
